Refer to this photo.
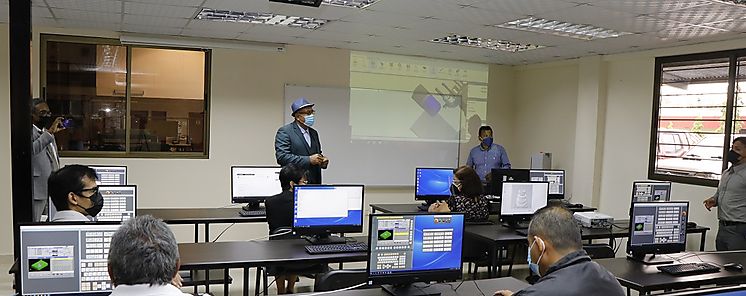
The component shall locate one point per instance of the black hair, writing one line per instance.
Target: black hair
(65, 180)
(556, 224)
(484, 128)
(34, 102)
(741, 140)
(471, 185)
(291, 173)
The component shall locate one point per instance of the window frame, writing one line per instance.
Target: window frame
(732, 56)
(44, 38)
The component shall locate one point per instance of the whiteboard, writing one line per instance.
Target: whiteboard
(388, 159)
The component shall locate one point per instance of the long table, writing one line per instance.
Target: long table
(413, 208)
(197, 216)
(470, 288)
(646, 278)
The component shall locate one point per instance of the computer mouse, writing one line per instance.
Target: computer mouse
(733, 267)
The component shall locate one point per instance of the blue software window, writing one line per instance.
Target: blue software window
(328, 205)
(412, 243)
(433, 182)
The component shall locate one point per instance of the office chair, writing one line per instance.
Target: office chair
(599, 251)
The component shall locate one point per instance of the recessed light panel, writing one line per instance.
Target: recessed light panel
(485, 43)
(260, 18)
(350, 3)
(560, 28)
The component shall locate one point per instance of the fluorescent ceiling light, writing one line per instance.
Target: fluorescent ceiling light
(740, 2)
(560, 28)
(485, 43)
(260, 18)
(350, 3)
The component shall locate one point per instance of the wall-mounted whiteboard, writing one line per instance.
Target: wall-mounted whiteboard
(378, 137)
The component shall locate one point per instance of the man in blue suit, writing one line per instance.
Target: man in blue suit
(299, 144)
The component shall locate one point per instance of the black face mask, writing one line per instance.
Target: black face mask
(45, 122)
(454, 190)
(733, 156)
(98, 204)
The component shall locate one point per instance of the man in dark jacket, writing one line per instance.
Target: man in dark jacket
(556, 254)
(299, 144)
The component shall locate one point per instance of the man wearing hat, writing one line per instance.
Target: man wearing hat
(299, 144)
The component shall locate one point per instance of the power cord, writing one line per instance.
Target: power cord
(338, 290)
(271, 235)
(224, 230)
(478, 288)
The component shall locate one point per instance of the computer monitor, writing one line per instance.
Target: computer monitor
(521, 199)
(739, 290)
(110, 174)
(68, 258)
(120, 203)
(324, 209)
(499, 176)
(411, 248)
(254, 184)
(555, 178)
(651, 191)
(657, 228)
(432, 184)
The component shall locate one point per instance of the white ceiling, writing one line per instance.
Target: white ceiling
(402, 26)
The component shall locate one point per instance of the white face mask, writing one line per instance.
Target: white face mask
(534, 267)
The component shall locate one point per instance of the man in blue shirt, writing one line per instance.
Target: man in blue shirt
(487, 155)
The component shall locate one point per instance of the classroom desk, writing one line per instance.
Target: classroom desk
(478, 287)
(412, 208)
(199, 216)
(646, 278)
(243, 254)
(495, 237)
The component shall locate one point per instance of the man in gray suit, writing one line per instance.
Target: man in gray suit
(44, 157)
(299, 144)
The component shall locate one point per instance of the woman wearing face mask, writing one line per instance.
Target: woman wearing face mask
(75, 194)
(730, 200)
(466, 197)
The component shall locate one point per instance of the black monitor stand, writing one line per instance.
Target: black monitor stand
(649, 259)
(252, 206)
(325, 239)
(410, 290)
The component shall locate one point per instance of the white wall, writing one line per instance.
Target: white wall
(6, 218)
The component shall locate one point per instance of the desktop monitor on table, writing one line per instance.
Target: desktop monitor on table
(555, 178)
(65, 258)
(411, 248)
(110, 174)
(500, 176)
(657, 228)
(432, 184)
(521, 199)
(320, 210)
(254, 184)
(739, 290)
(120, 203)
(651, 191)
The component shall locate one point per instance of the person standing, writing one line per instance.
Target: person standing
(44, 157)
(730, 199)
(299, 144)
(487, 155)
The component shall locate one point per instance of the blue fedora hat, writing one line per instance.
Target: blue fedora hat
(300, 103)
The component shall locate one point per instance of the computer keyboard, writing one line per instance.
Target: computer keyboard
(253, 213)
(337, 248)
(689, 268)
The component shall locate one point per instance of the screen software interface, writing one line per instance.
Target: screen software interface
(111, 175)
(255, 181)
(523, 198)
(555, 178)
(659, 223)
(65, 259)
(651, 191)
(328, 205)
(433, 181)
(411, 243)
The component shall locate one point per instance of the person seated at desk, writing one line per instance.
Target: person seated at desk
(556, 254)
(74, 193)
(467, 197)
(144, 259)
(280, 215)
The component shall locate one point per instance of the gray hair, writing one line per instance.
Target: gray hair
(36, 101)
(557, 225)
(143, 251)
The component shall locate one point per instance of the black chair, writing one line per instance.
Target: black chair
(599, 251)
(340, 279)
(264, 272)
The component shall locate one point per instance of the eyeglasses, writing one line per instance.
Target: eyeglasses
(94, 190)
(307, 112)
(45, 112)
(303, 182)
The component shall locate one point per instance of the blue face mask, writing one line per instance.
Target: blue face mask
(534, 267)
(487, 142)
(309, 119)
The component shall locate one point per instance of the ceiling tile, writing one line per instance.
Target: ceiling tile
(523, 7)
(146, 29)
(108, 6)
(144, 20)
(193, 3)
(218, 26)
(160, 10)
(219, 34)
(689, 33)
(649, 6)
(715, 12)
(87, 24)
(83, 16)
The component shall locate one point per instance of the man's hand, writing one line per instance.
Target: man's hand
(439, 207)
(176, 281)
(503, 293)
(56, 125)
(710, 203)
(316, 159)
(324, 162)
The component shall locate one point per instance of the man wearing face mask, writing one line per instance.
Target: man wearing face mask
(44, 157)
(555, 253)
(299, 144)
(75, 194)
(487, 155)
(730, 199)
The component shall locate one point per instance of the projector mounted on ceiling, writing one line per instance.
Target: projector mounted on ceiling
(314, 3)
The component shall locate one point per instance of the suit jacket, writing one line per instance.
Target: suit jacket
(291, 147)
(43, 161)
